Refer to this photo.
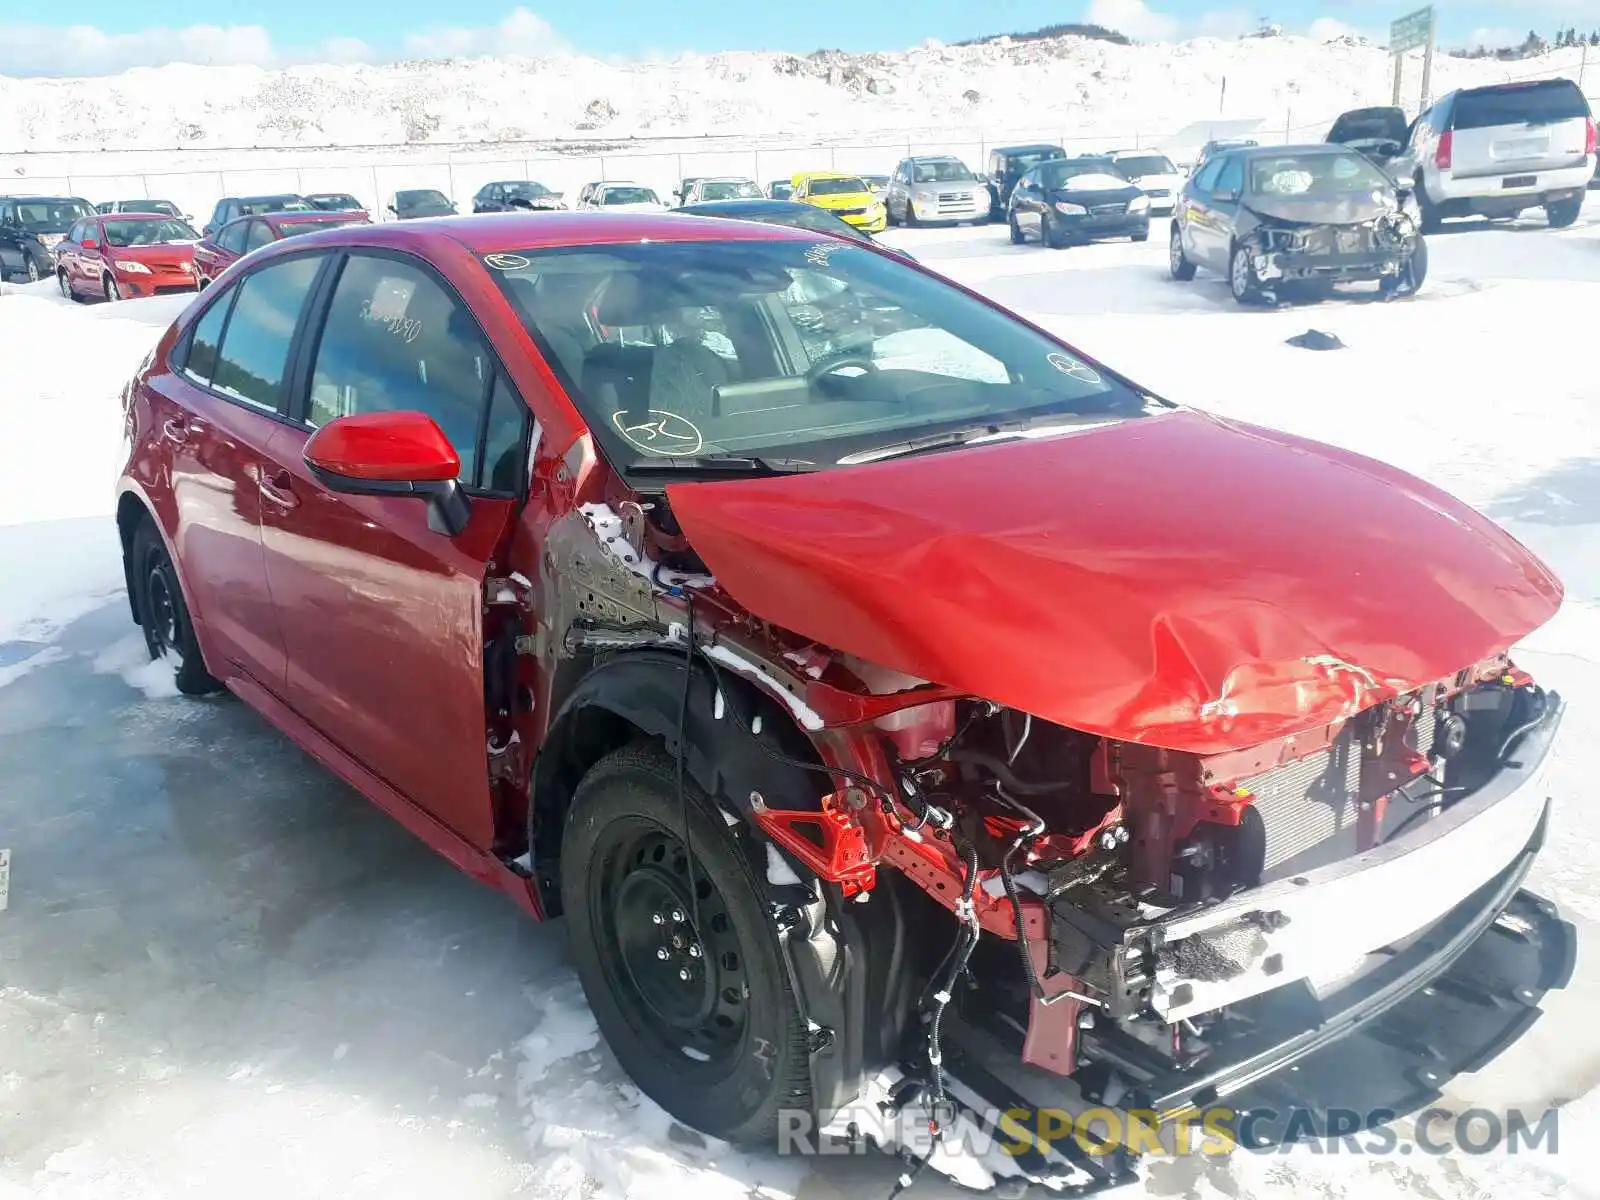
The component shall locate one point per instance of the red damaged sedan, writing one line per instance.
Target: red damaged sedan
(126, 255)
(890, 696)
(220, 250)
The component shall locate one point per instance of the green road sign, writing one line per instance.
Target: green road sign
(1412, 30)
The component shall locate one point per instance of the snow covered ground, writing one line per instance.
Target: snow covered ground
(193, 134)
(222, 973)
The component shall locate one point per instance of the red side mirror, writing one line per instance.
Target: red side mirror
(392, 454)
(89, 244)
(384, 447)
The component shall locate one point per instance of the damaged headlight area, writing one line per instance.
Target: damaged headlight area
(1364, 251)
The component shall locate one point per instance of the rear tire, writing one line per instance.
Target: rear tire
(1177, 260)
(1563, 214)
(725, 1049)
(1430, 220)
(163, 615)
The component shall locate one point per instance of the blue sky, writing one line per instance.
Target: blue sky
(110, 35)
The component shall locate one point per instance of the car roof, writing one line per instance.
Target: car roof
(75, 199)
(295, 218)
(135, 216)
(746, 204)
(934, 158)
(265, 196)
(1298, 150)
(1027, 149)
(719, 179)
(497, 233)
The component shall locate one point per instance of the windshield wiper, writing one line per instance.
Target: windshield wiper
(975, 433)
(718, 464)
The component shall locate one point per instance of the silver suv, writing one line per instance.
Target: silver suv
(1494, 151)
(936, 188)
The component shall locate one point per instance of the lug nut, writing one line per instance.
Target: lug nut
(657, 919)
(694, 951)
(662, 955)
(684, 975)
(677, 916)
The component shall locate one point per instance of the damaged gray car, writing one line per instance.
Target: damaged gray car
(1281, 220)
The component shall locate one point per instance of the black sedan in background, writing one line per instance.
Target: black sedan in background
(1274, 219)
(784, 212)
(30, 227)
(1074, 200)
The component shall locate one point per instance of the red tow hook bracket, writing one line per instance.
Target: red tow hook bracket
(829, 843)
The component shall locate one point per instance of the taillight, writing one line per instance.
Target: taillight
(1441, 156)
(1589, 138)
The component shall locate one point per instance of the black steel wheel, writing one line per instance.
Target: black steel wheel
(680, 960)
(163, 615)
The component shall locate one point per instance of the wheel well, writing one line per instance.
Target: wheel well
(637, 695)
(131, 512)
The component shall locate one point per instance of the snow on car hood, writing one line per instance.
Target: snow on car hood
(1095, 182)
(1178, 580)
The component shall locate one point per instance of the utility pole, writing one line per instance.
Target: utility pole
(1427, 68)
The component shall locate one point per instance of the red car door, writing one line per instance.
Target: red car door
(91, 258)
(223, 411)
(382, 615)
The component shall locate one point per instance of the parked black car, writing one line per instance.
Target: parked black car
(1009, 164)
(335, 202)
(1380, 133)
(1275, 218)
(1069, 201)
(514, 195)
(30, 227)
(231, 208)
(410, 203)
(784, 212)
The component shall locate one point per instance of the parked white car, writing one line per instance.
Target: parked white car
(721, 187)
(610, 195)
(1153, 173)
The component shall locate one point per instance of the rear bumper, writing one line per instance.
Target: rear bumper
(1490, 193)
(1315, 925)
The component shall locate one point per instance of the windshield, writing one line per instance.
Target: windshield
(421, 198)
(1136, 166)
(1086, 173)
(165, 207)
(847, 186)
(788, 348)
(51, 216)
(628, 195)
(728, 190)
(147, 233)
(1018, 163)
(334, 201)
(781, 190)
(525, 191)
(270, 204)
(1538, 103)
(942, 172)
(1315, 176)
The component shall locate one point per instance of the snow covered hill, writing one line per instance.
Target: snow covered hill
(1294, 84)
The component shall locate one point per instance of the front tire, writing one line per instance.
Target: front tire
(1409, 281)
(66, 287)
(163, 615)
(1017, 236)
(108, 285)
(1177, 259)
(1242, 280)
(32, 267)
(699, 1013)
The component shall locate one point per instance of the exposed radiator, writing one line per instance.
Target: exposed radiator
(1308, 802)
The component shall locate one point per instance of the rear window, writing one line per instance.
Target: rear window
(1539, 103)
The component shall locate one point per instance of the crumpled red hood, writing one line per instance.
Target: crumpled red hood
(1178, 580)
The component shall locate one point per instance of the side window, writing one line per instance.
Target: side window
(260, 235)
(1207, 179)
(396, 340)
(231, 238)
(503, 438)
(255, 345)
(75, 234)
(201, 357)
(1231, 178)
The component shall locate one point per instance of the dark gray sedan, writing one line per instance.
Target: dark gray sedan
(1275, 218)
(1075, 200)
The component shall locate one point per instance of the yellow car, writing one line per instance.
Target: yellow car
(845, 196)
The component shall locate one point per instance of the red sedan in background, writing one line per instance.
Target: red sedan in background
(216, 253)
(126, 255)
